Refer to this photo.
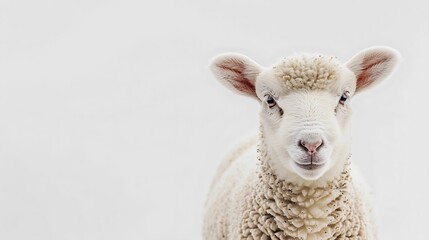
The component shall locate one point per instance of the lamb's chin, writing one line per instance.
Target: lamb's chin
(309, 172)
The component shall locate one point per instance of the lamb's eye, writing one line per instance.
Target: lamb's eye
(270, 101)
(344, 98)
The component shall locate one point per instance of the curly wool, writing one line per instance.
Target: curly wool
(277, 209)
(307, 72)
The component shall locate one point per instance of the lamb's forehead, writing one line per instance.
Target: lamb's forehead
(307, 72)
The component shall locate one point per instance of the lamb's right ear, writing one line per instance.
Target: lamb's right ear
(237, 72)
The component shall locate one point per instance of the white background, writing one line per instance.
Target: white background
(111, 125)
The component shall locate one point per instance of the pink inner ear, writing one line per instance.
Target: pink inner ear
(237, 78)
(369, 70)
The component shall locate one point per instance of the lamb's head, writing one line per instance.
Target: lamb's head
(305, 108)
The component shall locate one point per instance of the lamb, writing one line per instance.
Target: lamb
(295, 180)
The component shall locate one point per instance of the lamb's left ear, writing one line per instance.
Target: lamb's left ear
(372, 65)
(237, 72)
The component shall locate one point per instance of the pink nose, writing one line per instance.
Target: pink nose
(311, 147)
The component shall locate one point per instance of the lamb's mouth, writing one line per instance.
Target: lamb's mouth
(310, 166)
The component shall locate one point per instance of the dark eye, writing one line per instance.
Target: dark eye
(344, 98)
(270, 101)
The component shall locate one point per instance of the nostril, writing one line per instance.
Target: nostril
(301, 144)
(320, 145)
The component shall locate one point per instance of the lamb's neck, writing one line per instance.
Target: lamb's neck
(315, 198)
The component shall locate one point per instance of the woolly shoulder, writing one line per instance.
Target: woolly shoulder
(365, 199)
(244, 149)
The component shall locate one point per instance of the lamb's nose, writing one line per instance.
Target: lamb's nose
(311, 146)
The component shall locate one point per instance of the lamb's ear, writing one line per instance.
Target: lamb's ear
(372, 65)
(237, 72)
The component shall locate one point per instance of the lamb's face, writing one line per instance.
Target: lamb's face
(305, 108)
(305, 113)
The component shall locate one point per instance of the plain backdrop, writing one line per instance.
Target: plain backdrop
(111, 125)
